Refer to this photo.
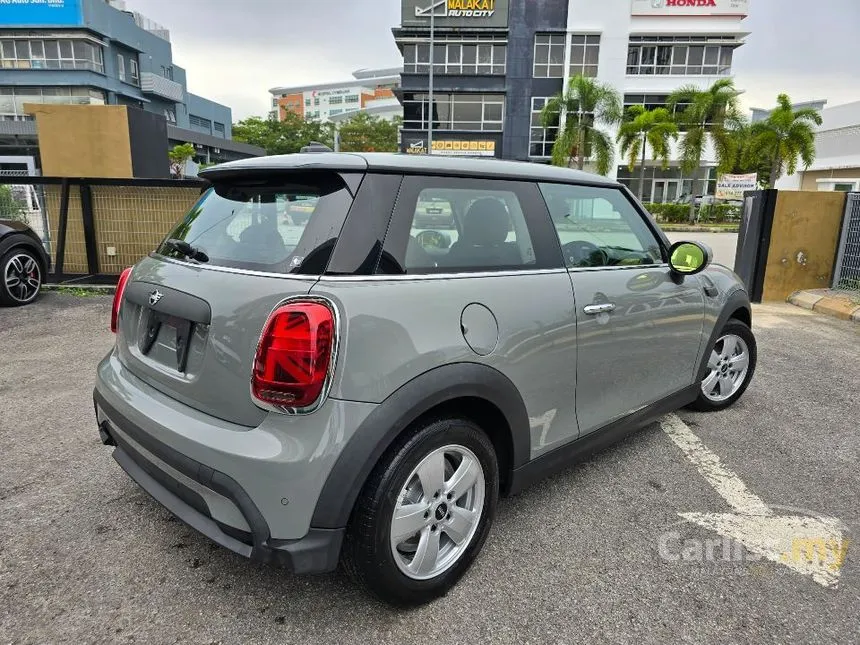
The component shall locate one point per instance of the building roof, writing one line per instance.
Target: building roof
(760, 114)
(363, 73)
(175, 133)
(373, 108)
(391, 162)
(361, 78)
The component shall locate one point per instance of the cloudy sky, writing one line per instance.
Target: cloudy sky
(235, 50)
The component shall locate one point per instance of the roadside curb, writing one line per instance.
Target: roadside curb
(829, 303)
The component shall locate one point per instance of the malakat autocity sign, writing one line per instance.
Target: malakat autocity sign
(690, 7)
(456, 13)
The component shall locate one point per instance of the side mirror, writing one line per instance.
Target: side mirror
(690, 258)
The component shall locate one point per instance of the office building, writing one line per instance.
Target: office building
(369, 89)
(96, 52)
(496, 62)
(837, 154)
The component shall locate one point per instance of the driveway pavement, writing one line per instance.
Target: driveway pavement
(591, 555)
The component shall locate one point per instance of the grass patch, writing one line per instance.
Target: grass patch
(79, 292)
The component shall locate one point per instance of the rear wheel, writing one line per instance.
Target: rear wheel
(731, 364)
(424, 514)
(21, 277)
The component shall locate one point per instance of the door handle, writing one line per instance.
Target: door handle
(593, 310)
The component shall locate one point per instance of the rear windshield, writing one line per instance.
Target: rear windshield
(288, 225)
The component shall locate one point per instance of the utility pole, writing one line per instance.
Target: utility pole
(430, 89)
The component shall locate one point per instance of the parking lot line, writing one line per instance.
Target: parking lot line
(810, 545)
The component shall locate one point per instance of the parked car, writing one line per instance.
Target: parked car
(434, 213)
(352, 397)
(23, 262)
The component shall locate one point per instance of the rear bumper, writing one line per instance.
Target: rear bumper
(316, 552)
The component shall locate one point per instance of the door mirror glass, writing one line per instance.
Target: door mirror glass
(689, 258)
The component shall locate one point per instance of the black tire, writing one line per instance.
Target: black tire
(367, 554)
(11, 297)
(737, 328)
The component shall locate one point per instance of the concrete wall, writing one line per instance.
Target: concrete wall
(810, 179)
(803, 242)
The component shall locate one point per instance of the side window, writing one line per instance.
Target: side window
(479, 228)
(599, 227)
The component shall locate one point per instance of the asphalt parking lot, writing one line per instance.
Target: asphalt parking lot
(590, 555)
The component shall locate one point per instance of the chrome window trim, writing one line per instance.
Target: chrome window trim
(437, 276)
(482, 274)
(626, 267)
(262, 274)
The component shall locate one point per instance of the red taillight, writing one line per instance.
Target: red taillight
(117, 298)
(294, 355)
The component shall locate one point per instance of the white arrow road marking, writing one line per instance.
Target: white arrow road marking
(724, 481)
(812, 546)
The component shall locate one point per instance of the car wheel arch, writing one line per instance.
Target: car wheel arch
(737, 307)
(471, 390)
(20, 241)
(743, 314)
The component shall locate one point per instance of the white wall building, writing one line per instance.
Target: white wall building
(649, 48)
(324, 101)
(837, 153)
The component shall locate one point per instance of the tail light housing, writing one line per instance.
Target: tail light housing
(295, 356)
(117, 298)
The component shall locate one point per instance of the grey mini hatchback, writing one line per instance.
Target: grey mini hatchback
(348, 358)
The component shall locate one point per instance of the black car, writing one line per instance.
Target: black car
(23, 263)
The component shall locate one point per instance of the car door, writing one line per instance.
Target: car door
(639, 326)
(484, 284)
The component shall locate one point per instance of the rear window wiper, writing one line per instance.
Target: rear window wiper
(186, 250)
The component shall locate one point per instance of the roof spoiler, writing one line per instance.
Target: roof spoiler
(316, 146)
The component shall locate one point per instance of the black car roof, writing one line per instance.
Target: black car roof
(405, 163)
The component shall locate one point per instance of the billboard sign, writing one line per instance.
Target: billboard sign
(690, 7)
(734, 186)
(455, 13)
(19, 13)
(453, 148)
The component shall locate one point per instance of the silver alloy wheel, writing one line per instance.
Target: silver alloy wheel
(23, 277)
(727, 368)
(438, 512)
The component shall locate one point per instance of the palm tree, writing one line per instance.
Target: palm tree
(703, 116)
(784, 137)
(577, 112)
(642, 128)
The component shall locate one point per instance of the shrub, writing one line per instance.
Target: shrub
(669, 213)
(10, 208)
(719, 213)
(708, 214)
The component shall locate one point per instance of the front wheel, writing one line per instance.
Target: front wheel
(731, 364)
(424, 514)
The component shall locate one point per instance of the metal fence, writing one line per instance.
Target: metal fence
(846, 276)
(94, 228)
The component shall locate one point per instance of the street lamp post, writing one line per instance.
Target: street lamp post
(430, 88)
